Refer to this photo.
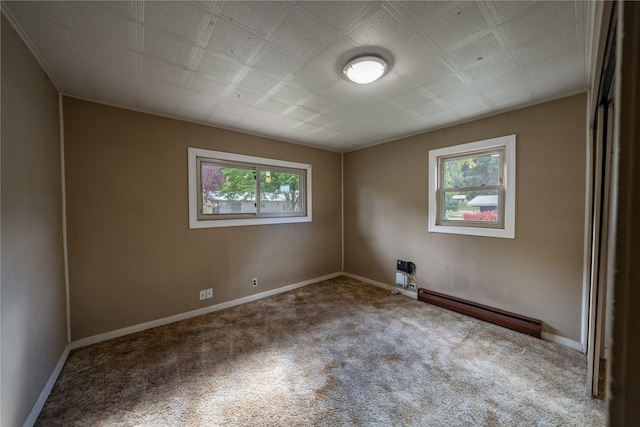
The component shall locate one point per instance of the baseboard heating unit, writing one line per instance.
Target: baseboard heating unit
(507, 319)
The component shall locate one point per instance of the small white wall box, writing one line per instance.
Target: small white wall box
(401, 279)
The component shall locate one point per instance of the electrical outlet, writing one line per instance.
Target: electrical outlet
(412, 285)
(203, 294)
(254, 282)
(210, 293)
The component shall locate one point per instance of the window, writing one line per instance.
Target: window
(472, 188)
(227, 190)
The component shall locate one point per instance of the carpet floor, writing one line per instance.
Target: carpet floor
(337, 352)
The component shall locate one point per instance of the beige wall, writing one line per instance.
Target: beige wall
(132, 256)
(538, 274)
(34, 324)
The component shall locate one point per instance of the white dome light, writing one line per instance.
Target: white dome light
(365, 69)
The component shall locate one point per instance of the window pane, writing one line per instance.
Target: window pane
(280, 191)
(472, 171)
(227, 190)
(224, 190)
(471, 206)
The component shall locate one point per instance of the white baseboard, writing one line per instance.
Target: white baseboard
(406, 292)
(189, 314)
(563, 341)
(46, 391)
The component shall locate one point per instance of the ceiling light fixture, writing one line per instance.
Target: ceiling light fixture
(365, 69)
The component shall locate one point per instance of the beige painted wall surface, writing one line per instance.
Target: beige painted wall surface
(132, 256)
(538, 274)
(34, 324)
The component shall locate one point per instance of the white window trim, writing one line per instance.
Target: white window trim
(509, 144)
(194, 222)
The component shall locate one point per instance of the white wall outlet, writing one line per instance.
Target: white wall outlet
(254, 282)
(203, 294)
(210, 293)
(412, 285)
(401, 279)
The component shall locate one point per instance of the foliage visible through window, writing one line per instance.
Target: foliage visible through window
(472, 188)
(280, 191)
(231, 189)
(246, 189)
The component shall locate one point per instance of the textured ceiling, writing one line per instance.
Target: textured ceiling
(275, 68)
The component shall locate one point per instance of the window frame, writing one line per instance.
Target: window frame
(196, 156)
(505, 228)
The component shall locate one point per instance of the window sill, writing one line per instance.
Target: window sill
(505, 233)
(216, 223)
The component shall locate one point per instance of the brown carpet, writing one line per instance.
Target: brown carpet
(338, 352)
